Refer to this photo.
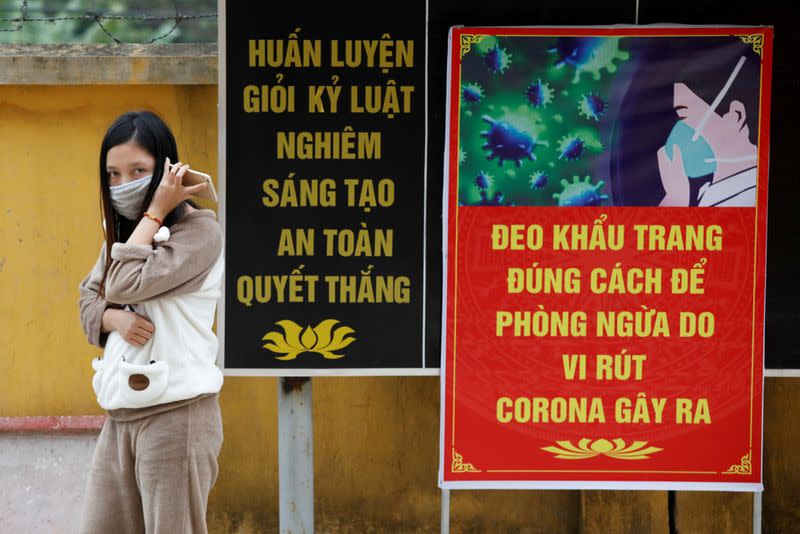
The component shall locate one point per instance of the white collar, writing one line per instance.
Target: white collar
(715, 192)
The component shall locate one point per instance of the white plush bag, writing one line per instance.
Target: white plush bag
(139, 378)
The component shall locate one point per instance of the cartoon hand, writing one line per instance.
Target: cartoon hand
(673, 178)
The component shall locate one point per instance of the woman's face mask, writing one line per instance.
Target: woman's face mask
(127, 198)
(698, 157)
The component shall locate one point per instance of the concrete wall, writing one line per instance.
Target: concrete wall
(376, 439)
(39, 480)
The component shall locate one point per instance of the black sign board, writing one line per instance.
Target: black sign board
(325, 189)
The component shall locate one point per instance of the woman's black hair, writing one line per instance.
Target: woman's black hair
(152, 134)
(646, 114)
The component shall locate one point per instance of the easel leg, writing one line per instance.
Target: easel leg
(445, 511)
(295, 456)
(757, 512)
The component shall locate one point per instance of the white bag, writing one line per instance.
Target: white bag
(137, 384)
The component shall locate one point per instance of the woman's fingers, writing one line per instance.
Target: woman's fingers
(179, 175)
(170, 172)
(144, 333)
(192, 189)
(173, 191)
(165, 178)
(137, 339)
(671, 170)
(673, 177)
(173, 174)
(676, 161)
(166, 170)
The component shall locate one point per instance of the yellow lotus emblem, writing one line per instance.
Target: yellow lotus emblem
(587, 448)
(321, 339)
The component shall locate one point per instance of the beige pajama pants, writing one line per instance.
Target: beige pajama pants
(153, 475)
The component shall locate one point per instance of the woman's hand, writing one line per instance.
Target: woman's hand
(133, 328)
(171, 191)
(673, 178)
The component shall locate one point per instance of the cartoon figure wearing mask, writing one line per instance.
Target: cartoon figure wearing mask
(708, 140)
(686, 129)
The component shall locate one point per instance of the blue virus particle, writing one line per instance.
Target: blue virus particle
(538, 180)
(588, 54)
(497, 59)
(498, 199)
(575, 51)
(483, 181)
(471, 93)
(580, 192)
(505, 142)
(538, 94)
(571, 148)
(592, 106)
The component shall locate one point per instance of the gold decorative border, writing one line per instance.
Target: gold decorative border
(467, 41)
(459, 466)
(756, 40)
(744, 467)
(588, 448)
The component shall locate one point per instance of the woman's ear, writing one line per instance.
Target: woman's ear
(738, 113)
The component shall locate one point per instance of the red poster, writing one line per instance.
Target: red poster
(605, 206)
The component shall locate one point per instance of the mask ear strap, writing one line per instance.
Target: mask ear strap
(754, 157)
(719, 98)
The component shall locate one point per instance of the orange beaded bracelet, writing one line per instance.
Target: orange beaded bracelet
(156, 219)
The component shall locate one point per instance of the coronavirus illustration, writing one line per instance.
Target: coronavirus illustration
(498, 199)
(497, 59)
(483, 181)
(592, 106)
(505, 142)
(580, 192)
(538, 117)
(588, 54)
(575, 51)
(538, 94)
(571, 148)
(538, 180)
(471, 93)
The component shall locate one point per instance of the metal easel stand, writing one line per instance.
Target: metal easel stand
(757, 512)
(295, 456)
(445, 511)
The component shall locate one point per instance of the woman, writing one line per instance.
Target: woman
(658, 156)
(150, 303)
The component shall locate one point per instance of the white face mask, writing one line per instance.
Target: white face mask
(127, 198)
